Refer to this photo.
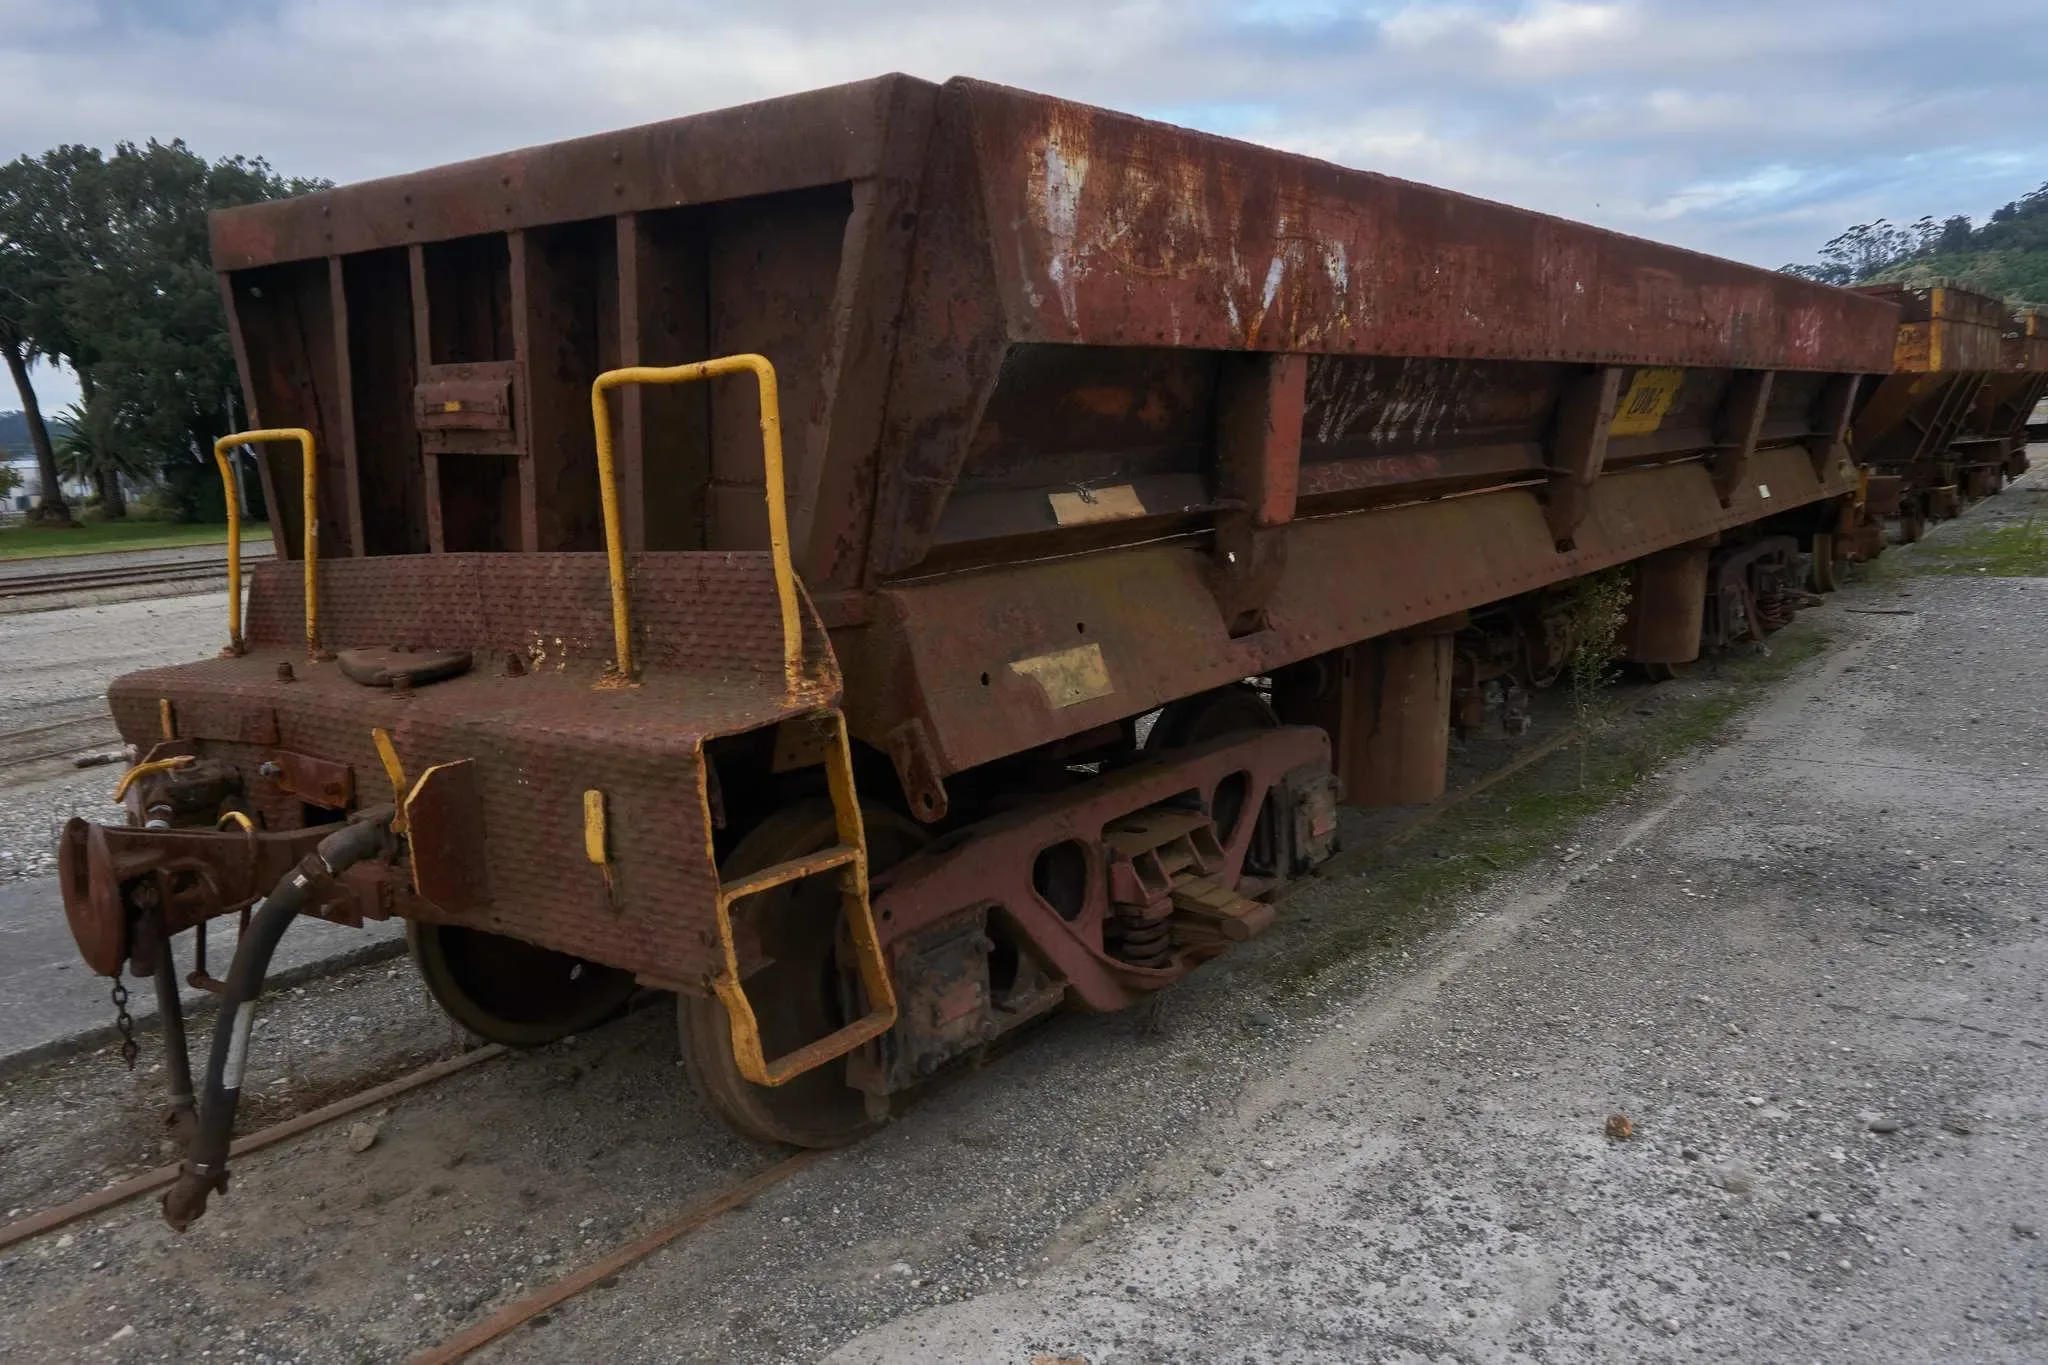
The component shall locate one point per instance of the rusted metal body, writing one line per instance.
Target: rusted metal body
(1085, 416)
(1948, 425)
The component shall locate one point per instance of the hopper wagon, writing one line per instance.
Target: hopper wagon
(1948, 425)
(734, 556)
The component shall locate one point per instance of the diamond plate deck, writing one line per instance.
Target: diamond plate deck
(539, 739)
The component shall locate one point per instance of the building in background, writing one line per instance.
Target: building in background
(19, 499)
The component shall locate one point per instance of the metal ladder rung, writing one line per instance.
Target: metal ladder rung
(795, 869)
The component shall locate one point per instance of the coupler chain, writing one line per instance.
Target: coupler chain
(125, 1025)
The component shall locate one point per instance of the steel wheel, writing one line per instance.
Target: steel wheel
(801, 995)
(513, 992)
(1210, 715)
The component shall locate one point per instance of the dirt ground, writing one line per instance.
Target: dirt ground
(1797, 945)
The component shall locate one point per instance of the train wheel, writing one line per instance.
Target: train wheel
(1911, 527)
(800, 995)
(511, 992)
(1211, 715)
(1823, 562)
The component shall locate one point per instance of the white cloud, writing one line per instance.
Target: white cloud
(1753, 128)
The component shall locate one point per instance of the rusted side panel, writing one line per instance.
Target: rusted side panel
(665, 432)
(1958, 375)
(1241, 247)
(773, 271)
(998, 662)
(285, 317)
(818, 138)
(344, 452)
(1054, 225)
(566, 331)
(832, 491)
(390, 470)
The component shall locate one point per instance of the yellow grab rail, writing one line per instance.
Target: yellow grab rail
(771, 470)
(312, 537)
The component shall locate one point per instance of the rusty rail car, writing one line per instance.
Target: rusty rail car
(734, 556)
(1948, 425)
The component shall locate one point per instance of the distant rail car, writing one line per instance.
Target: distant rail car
(734, 555)
(1949, 425)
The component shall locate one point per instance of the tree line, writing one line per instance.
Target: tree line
(2007, 255)
(104, 267)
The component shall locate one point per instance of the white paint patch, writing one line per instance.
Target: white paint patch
(1060, 203)
(238, 1046)
(1272, 291)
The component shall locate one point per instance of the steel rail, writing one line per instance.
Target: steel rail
(136, 1186)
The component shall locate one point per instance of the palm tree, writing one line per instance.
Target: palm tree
(96, 445)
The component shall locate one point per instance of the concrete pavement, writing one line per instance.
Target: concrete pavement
(50, 1002)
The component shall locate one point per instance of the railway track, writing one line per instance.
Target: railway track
(696, 1216)
(90, 731)
(55, 581)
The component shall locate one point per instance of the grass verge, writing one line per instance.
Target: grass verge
(1400, 893)
(98, 537)
(2011, 549)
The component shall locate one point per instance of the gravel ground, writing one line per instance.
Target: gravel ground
(1805, 964)
(54, 673)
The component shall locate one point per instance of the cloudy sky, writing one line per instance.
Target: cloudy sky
(1750, 128)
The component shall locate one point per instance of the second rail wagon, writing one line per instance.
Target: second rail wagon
(1948, 425)
(806, 682)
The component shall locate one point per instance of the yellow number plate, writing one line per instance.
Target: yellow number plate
(1641, 410)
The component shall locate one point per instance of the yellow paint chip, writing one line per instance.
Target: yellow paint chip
(593, 827)
(452, 405)
(1114, 503)
(1641, 410)
(1069, 676)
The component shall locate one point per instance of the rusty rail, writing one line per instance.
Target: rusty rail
(136, 1186)
(309, 479)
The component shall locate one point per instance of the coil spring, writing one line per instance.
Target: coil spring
(1139, 941)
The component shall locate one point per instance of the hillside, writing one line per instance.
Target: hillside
(13, 431)
(2007, 256)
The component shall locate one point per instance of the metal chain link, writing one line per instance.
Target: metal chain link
(125, 1025)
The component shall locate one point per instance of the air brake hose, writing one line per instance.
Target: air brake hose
(205, 1168)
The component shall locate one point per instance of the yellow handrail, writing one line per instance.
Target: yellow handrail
(771, 468)
(312, 536)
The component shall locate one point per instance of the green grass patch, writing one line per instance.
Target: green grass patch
(100, 537)
(1406, 890)
(2012, 549)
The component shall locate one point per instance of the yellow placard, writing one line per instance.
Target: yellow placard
(1641, 410)
(1096, 504)
(1069, 676)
